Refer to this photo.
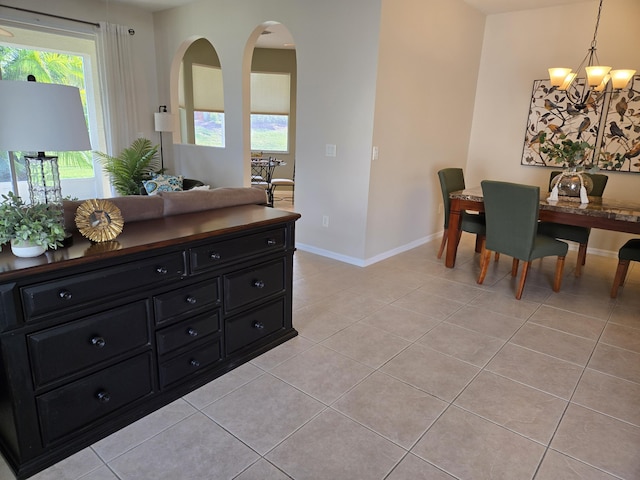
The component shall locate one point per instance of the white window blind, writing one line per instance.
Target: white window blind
(270, 93)
(208, 93)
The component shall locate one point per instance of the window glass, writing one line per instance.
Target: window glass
(270, 108)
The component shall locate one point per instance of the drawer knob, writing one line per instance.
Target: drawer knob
(98, 342)
(103, 397)
(161, 270)
(194, 363)
(65, 295)
(214, 256)
(192, 332)
(258, 325)
(192, 300)
(271, 242)
(258, 284)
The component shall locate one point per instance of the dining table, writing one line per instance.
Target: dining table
(601, 212)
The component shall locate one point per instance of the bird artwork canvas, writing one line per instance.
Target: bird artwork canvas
(620, 144)
(610, 122)
(553, 118)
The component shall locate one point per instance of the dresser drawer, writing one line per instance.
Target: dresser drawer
(245, 329)
(186, 299)
(61, 351)
(188, 331)
(189, 363)
(247, 286)
(48, 297)
(69, 408)
(214, 254)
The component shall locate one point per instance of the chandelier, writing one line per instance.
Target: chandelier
(598, 77)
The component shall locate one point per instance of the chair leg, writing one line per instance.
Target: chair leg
(557, 280)
(497, 256)
(523, 278)
(479, 242)
(443, 243)
(621, 273)
(514, 267)
(582, 258)
(484, 265)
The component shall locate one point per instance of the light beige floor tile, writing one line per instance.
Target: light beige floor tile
(274, 357)
(102, 473)
(431, 371)
(556, 466)
(194, 448)
(537, 370)
(263, 412)
(334, 447)
(383, 290)
(71, 468)
(461, 343)
(317, 322)
(401, 322)
(599, 440)
(520, 408)
(451, 290)
(486, 322)
(322, 373)
(353, 306)
(366, 344)
(627, 316)
(616, 361)
(622, 337)
(423, 302)
(564, 346)
(568, 322)
(5, 470)
(505, 305)
(508, 285)
(397, 411)
(414, 468)
(609, 395)
(469, 447)
(595, 306)
(221, 386)
(132, 435)
(262, 470)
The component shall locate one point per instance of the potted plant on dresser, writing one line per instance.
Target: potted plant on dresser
(31, 229)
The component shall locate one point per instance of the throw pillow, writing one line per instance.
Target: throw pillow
(163, 183)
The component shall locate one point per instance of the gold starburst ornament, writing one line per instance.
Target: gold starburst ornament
(99, 220)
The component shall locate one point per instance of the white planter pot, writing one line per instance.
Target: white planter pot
(26, 250)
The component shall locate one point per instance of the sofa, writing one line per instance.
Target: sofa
(146, 207)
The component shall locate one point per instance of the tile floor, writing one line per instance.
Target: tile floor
(407, 370)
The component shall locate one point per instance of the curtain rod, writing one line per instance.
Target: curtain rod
(51, 15)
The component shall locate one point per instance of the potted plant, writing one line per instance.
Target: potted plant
(134, 164)
(31, 229)
(573, 156)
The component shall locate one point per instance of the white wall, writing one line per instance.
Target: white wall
(518, 48)
(336, 47)
(428, 68)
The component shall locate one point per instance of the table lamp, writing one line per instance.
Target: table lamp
(163, 122)
(38, 117)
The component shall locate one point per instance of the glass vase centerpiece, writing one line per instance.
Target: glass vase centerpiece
(574, 157)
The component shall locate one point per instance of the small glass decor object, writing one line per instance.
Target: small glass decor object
(99, 220)
(571, 183)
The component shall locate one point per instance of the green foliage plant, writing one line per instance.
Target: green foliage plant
(567, 153)
(36, 224)
(134, 164)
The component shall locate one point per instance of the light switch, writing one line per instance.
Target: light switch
(330, 150)
(374, 153)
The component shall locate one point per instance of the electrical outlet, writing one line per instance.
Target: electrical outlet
(330, 150)
(325, 221)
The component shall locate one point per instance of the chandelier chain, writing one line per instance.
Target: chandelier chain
(595, 32)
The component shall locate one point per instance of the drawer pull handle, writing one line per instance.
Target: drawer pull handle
(214, 256)
(65, 295)
(192, 332)
(162, 270)
(258, 325)
(258, 284)
(103, 397)
(271, 242)
(98, 342)
(194, 363)
(191, 300)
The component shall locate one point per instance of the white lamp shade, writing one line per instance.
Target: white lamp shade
(163, 122)
(557, 75)
(41, 117)
(620, 78)
(596, 74)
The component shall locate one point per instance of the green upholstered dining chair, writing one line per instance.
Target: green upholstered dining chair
(451, 180)
(630, 251)
(573, 233)
(511, 214)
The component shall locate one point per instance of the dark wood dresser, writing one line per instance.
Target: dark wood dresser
(95, 336)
